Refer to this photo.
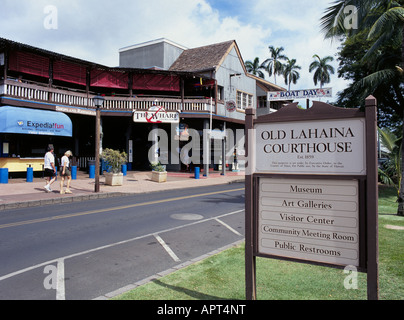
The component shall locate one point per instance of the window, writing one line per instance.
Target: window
(244, 100)
(219, 93)
(262, 102)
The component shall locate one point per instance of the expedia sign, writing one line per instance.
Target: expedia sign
(31, 121)
(45, 128)
(156, 114)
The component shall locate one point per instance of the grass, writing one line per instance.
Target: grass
(222, 276)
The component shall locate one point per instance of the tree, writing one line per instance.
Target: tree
(290, 72)
(383, 23)
(323, 70)
(389, 170)
(273, 65)
(255, 67)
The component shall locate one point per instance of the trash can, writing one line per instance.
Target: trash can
(92, 171)
(4, 175)
(30, 174)
(124, 169)
(74, 172)
(197, 172)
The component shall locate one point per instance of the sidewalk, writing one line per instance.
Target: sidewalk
(18, 193)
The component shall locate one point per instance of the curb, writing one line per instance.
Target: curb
(82, 197)
(44, 202)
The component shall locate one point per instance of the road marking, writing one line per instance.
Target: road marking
(228, 227)
(60, 283)
(79, 214)
(10, 275)
(167, 248)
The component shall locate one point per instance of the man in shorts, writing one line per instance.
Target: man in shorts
(50, 169)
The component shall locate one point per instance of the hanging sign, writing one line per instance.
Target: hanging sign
(231, 106)
(156, 114)
(300, 94)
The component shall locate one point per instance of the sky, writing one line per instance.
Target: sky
(95, 30)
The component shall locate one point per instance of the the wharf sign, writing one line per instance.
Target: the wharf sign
(156, 115)
(311, 189)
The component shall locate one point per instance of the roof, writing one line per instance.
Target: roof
(149, 43)
(266, 85)
(203, 58)
(6, 44)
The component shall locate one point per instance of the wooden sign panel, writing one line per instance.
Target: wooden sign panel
(311, 147)
(309, 219)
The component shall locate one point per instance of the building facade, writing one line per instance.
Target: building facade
(159, 104)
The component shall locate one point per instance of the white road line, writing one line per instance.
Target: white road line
(10, 275)
(60, 284)
(167, 248)
(228, 227)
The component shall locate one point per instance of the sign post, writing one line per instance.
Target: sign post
(311, 189)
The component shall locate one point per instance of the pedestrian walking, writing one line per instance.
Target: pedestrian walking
(65, 172)
(50, 169)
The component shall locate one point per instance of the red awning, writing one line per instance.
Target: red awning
(156, 82)
(109, 79)
(69, 72)
(29, 63)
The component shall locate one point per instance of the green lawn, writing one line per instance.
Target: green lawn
(222, 276)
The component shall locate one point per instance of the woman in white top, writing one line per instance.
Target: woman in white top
(65, 172)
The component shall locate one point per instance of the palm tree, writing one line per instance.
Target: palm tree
(389, 171)
(273, 65)
(254, 67)
(290, 72)
(383, 20)
(322, 70)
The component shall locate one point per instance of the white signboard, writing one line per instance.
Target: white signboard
(300, 94)
(311, 147)
(316, 220)
(82, 111)
(156, 114)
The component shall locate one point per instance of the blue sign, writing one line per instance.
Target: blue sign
(33, 121)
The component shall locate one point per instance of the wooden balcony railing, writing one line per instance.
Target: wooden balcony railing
(71, 97)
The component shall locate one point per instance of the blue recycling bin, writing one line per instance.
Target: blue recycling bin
(74, 172)
(92, 171)
(30, 174)
(4, 175)
(124, 169)
(197, 172)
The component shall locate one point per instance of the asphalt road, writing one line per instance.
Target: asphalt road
(84, 250)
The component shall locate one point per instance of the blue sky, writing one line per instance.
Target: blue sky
(95, 30)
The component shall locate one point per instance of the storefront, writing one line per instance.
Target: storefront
(25, 134)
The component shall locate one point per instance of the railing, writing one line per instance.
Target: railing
(46, 94)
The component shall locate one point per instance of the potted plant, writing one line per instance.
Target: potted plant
(115, 159)
(159, 173)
